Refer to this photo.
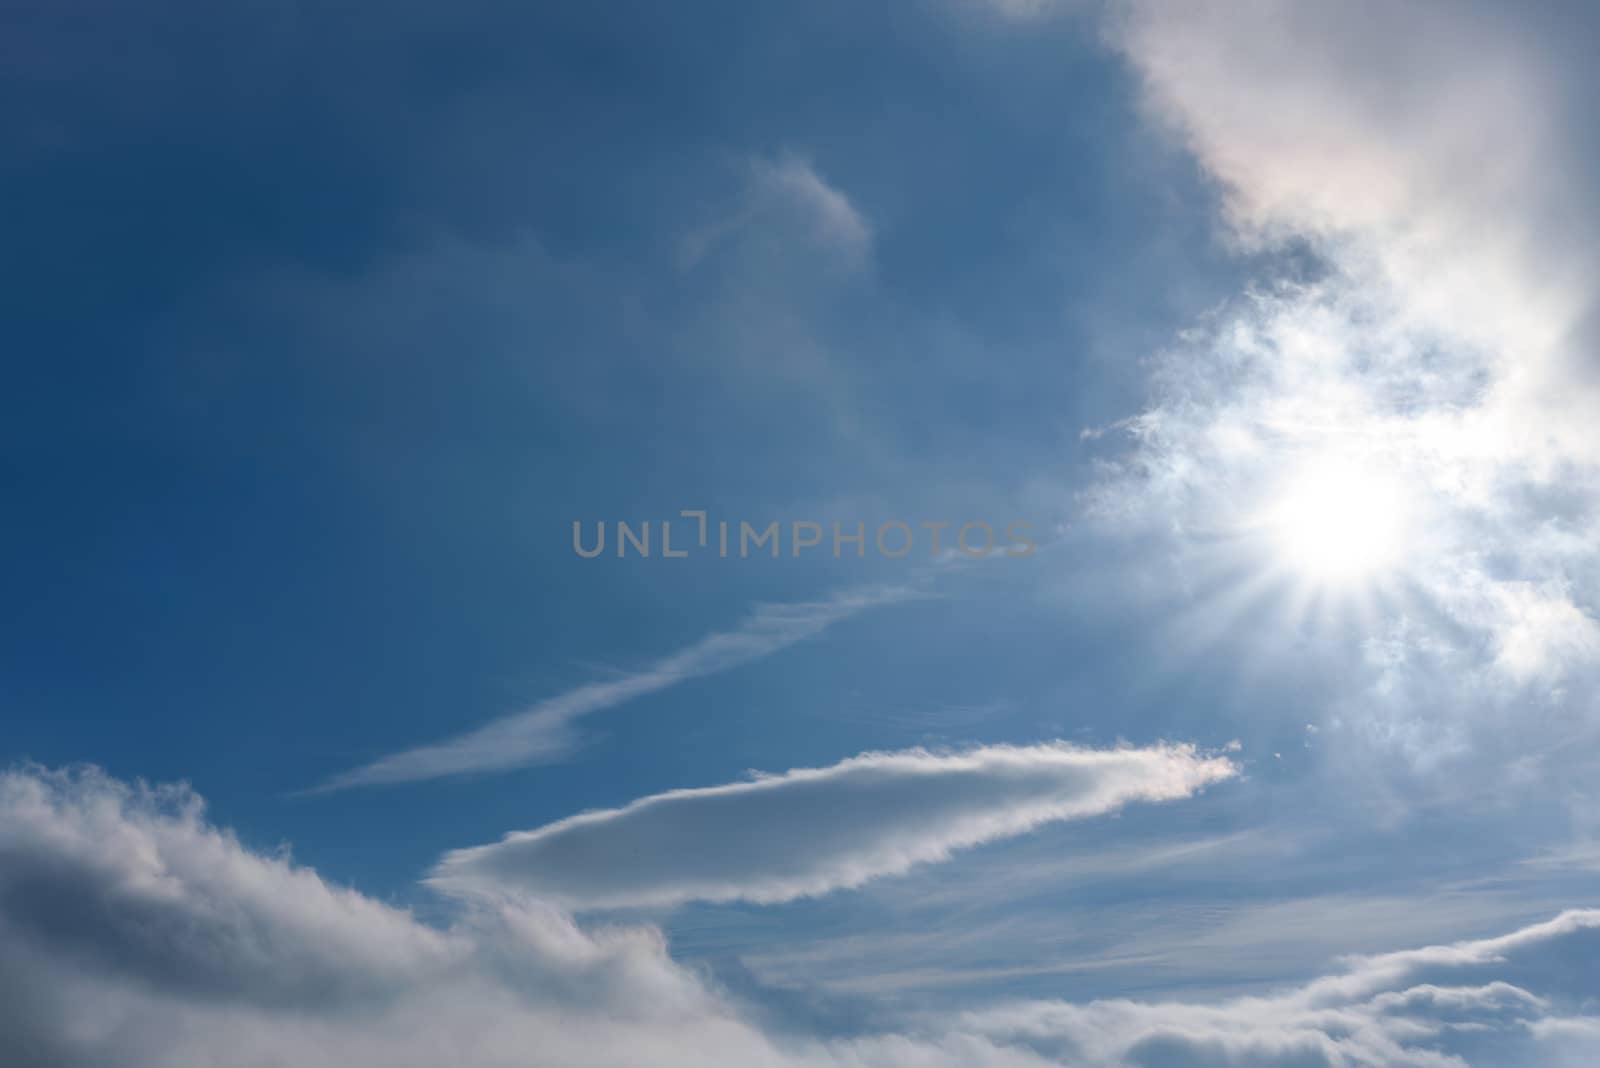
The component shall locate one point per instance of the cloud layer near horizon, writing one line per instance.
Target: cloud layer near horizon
(1521, 998)
(134, 933)
(813, 830)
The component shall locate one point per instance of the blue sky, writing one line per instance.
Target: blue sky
(1274, 324)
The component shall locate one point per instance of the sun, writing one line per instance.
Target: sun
(1337, 523)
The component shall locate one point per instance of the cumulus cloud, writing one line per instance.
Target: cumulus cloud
(131, 880)
(813, 830)
(1417, 179)
(134, 933)
(545, 732)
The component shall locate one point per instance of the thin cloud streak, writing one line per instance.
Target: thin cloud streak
(545, 732)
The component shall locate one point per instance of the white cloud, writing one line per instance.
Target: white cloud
(133, 933)
(813, 830)
(1439, 137)
(545, 732)
(1497, 1001)
(1429, 159)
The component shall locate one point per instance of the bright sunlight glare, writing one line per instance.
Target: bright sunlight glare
(1338, 523)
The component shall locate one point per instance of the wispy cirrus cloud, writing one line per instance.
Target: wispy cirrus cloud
(794, 181)
(545, 732)
(789, 192)
(813, 830)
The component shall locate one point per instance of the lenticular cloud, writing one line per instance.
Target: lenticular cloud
(813, 830)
